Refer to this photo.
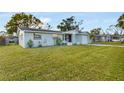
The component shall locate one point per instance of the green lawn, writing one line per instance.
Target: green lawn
(111, 43)
(61, 63)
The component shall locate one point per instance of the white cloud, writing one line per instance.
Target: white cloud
(45, 20)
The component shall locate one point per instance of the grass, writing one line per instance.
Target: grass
(111, 43)
(61, 63)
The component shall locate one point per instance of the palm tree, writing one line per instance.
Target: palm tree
(121, 24)
(121, 21)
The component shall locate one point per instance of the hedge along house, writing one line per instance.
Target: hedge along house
(50, 37)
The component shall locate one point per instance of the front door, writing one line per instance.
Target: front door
(68, 38)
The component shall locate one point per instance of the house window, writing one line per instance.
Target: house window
(37, 37)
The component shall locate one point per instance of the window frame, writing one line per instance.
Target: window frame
(36, 36)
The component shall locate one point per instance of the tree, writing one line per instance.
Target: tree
(115, 29)
(69, 24)
(48, 26)
(94, 32)
(22, 20)
(121, 21)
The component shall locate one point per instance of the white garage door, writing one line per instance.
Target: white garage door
(84, 40)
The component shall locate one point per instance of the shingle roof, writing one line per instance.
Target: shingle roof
(38, 30)
(76, 32)
(33, 30)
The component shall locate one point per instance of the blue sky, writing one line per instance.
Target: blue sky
(91, 19)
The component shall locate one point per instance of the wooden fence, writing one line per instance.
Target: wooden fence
(2, 40)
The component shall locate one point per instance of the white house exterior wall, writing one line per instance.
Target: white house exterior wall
(27, 37)
(46, 39)
(73, 38)
(78, 39)
(85, 40)
(82, 39)
(103, 38)
(21, 38)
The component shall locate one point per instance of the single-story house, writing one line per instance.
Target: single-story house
(49, 37)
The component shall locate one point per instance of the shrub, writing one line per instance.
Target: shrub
(30, 43)
(59, 41)
(74, 44)
(40, 45)
(64, 43)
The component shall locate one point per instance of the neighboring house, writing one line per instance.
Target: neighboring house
(49, 37)
(2, 38)
(116, 38)
(2, 33)
(103, 38)
(11, 39)
(109, 38)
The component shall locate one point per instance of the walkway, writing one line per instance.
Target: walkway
(105, 45)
